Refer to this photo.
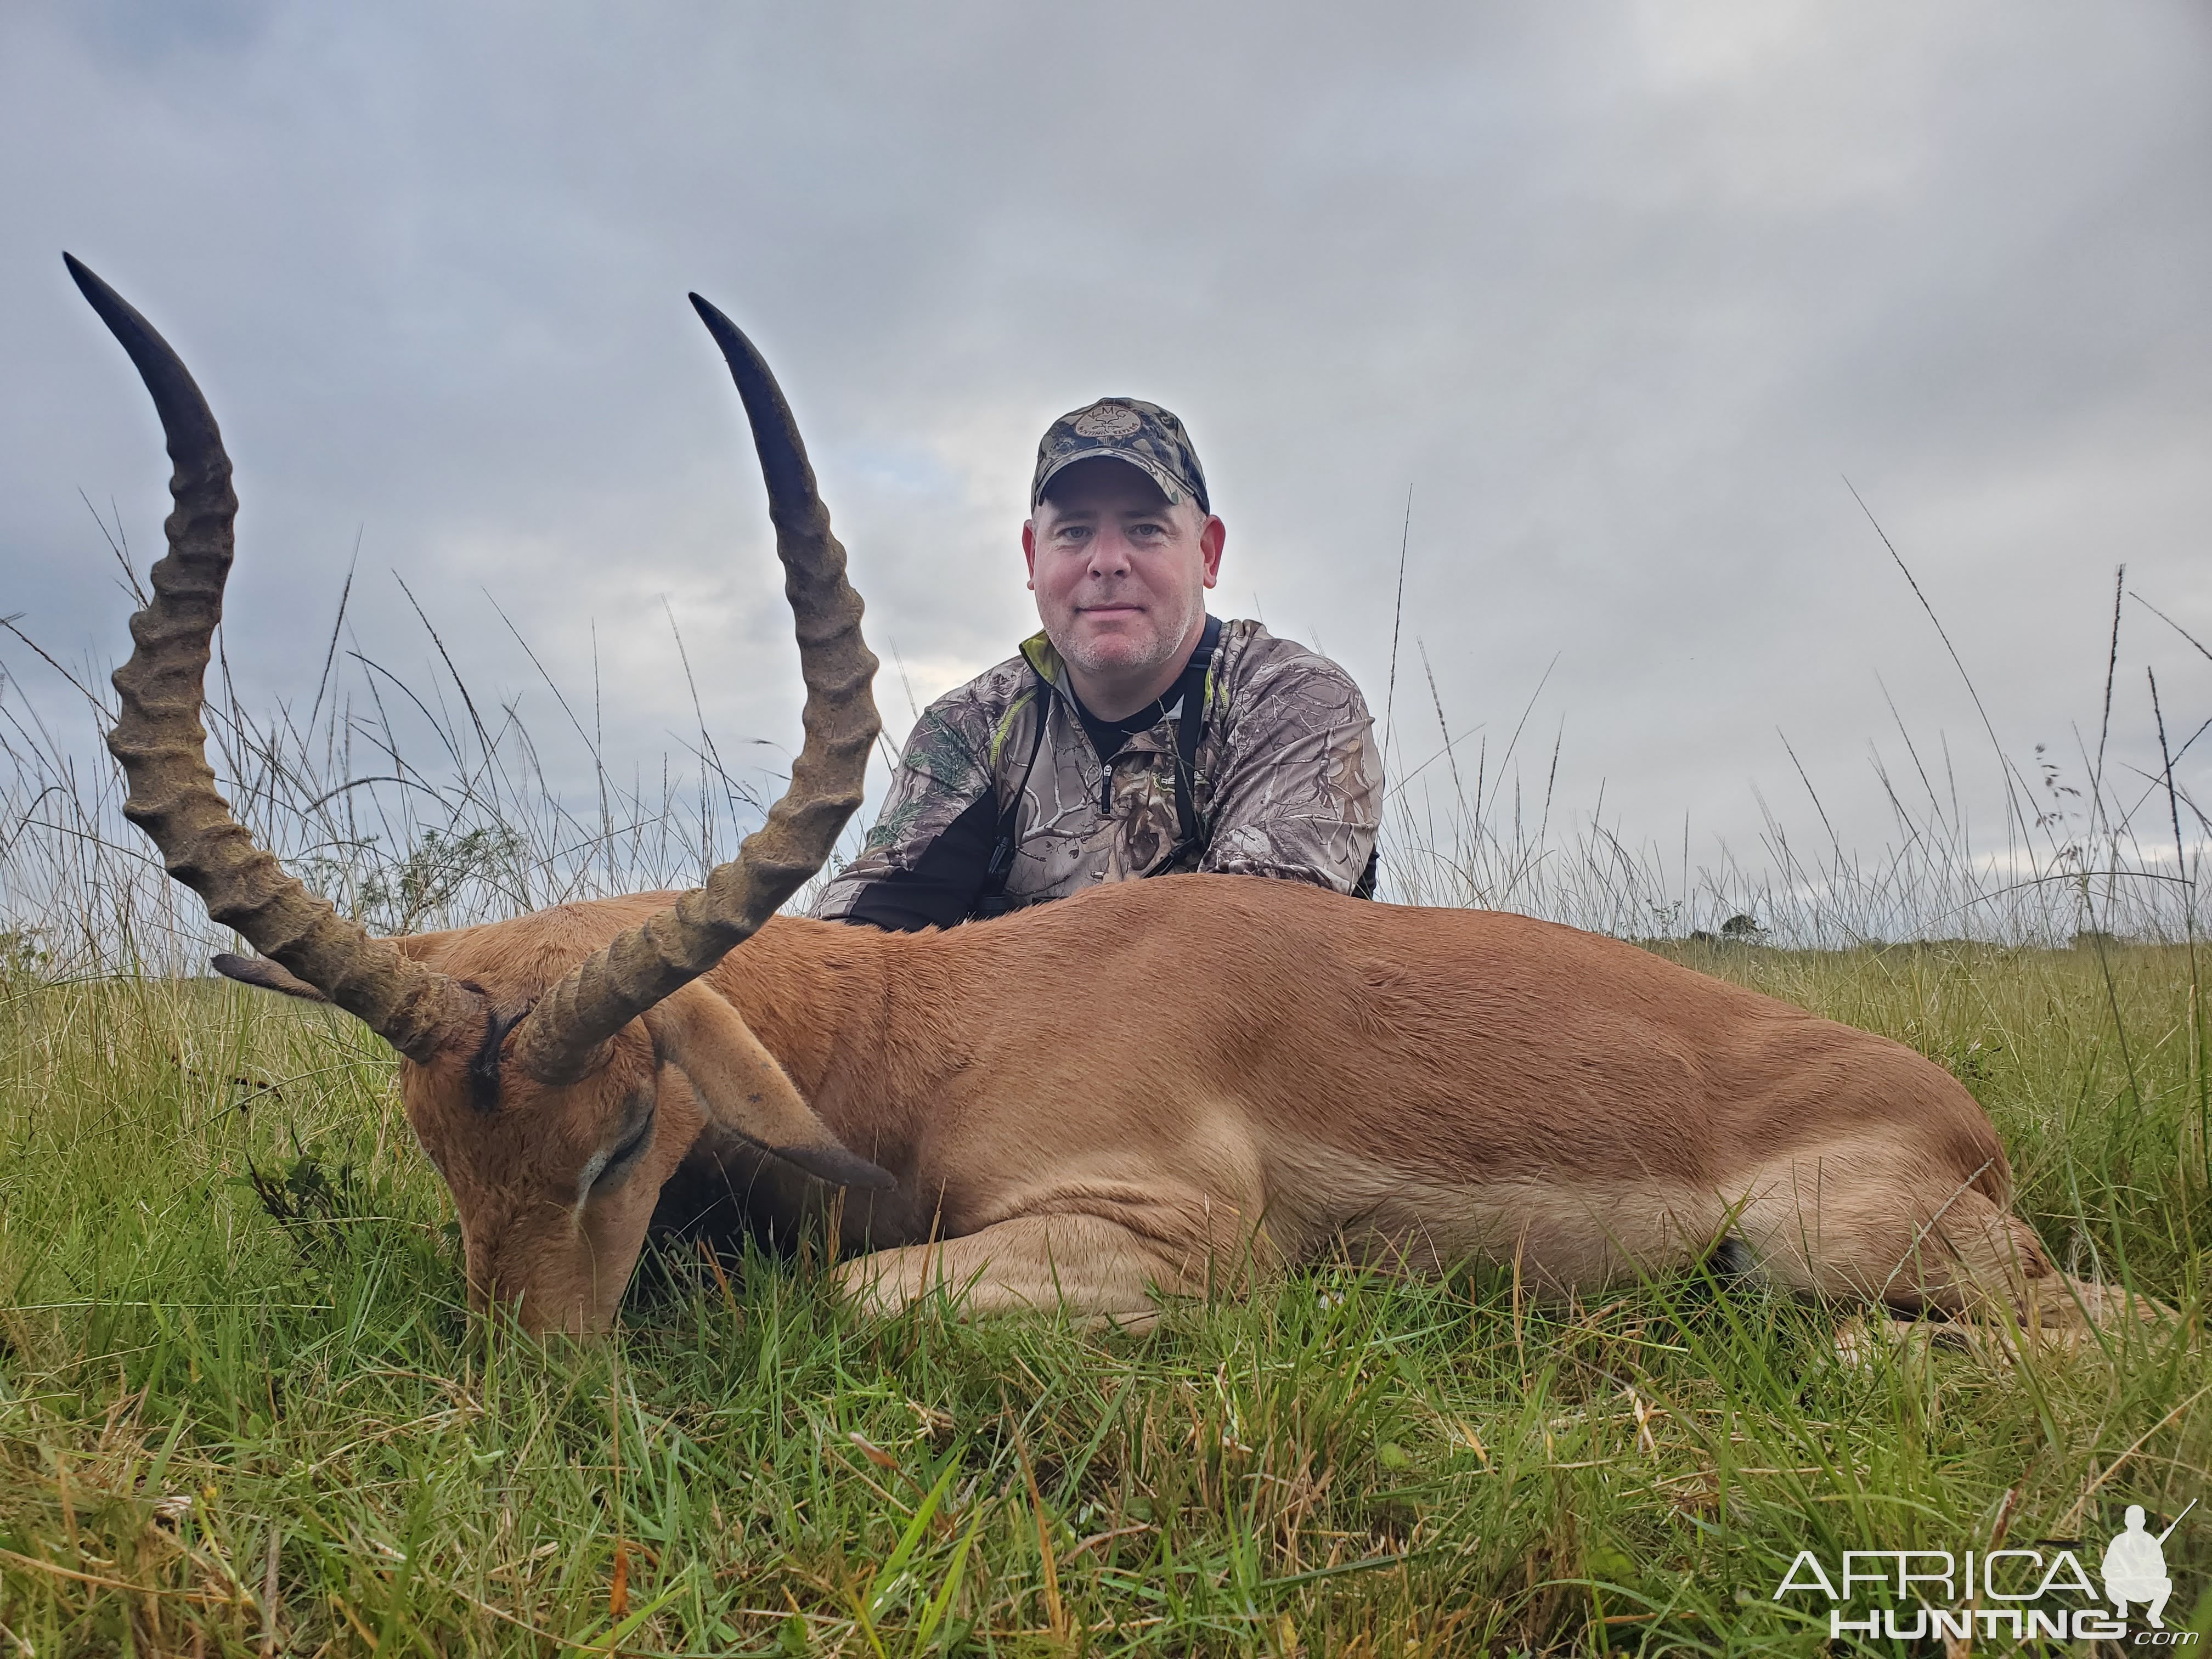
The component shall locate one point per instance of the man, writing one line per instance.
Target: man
(1135, 735)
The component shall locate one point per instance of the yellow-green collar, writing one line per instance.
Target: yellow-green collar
(1041, 654)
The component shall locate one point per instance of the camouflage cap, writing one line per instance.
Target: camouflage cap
(1127, 429)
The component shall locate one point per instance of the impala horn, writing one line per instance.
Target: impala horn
(561, 1037)
(162, 746)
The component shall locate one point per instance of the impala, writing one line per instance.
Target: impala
(1150, 1090)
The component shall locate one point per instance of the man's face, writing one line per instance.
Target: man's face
(1120, 576)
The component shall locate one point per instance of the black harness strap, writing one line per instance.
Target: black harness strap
(1197, 835)
(1001, 864)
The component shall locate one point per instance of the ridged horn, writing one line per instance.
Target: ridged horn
(561, 1038)
(162, 746)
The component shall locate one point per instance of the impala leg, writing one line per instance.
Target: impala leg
(1876, 1224)
(1096, 1271)
(1865, 1223)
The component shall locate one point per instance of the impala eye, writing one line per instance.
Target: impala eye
(623, 1159)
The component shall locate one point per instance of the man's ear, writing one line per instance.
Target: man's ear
(262, 972)
(745, 1091)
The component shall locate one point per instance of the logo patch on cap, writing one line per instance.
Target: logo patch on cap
(1109, 421)
(1129, 429)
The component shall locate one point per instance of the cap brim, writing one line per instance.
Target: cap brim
(1168, 485)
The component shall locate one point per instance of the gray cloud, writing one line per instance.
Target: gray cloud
(1620, 292)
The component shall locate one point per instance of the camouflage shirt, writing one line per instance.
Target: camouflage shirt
(1287, 782)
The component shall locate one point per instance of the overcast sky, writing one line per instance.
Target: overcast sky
(1621, 294)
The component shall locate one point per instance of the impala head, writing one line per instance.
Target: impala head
(554, 1077)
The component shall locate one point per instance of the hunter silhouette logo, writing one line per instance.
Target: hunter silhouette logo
(2135, 1567)
(2026, 1594)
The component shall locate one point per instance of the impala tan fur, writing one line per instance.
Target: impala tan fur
(1155, 1089)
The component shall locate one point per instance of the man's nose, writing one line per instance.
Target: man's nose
(1109, 551)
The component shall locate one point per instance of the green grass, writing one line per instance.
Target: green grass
(1345, 1465)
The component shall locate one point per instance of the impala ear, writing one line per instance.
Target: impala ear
(262, 972)
(743, 1089)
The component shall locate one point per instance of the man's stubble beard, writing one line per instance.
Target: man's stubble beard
(1166, 642)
